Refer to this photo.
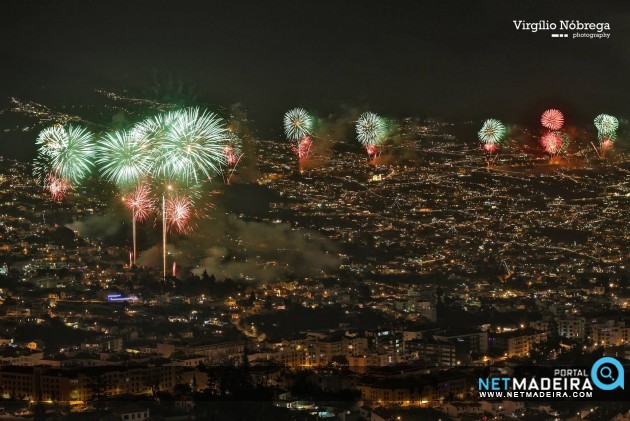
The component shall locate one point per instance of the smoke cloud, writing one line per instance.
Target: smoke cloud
(229, 247)
(259, 251)
(101, 226)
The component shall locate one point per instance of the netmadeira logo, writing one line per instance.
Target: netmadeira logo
(608, 374)
(566, 28)
(566, 383)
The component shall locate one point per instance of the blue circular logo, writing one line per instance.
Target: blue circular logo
(607, 374)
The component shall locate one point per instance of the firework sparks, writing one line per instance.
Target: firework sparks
(605, 144)
(555, 142)
(232, 152)
(52, 140)
(606, 141)
(194, 146)
(58, 187)
(606, 124)
(178, 212)
(372, 150)
(124, 158)
(230, 155)
(491, 134)
(140, 202)
(552, 119)
(371, 132)
(297, 124)
(153, 131)
(302, 147)
(490, 148)
(67, 151)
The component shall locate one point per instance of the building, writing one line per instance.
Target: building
(573, 328)
(11, 355)
(476, 340)
(212, 352)
(131, 412)
(518, 343)
(610, 333)
(463, 410)
(413, 392)
(77, 385)
(435, 352)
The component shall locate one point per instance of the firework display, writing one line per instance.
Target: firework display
(175, 151)
(178, 212)
(606, 141)
(51, 140)
(552, 119)
(154, 130)
(303, 147)
(181, 147)
(298, 127)
(67, 152)
(297, 124)
(232, 154)
(141, 204)
(491, 134)
(606, 124)
(58, 187)
(193, 146)
(555, 142)
(124, 158)
(232, 151)
(371, 132)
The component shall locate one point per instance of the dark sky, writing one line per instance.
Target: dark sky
(458, 59)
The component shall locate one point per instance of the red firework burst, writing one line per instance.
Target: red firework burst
(178, 212)
(57, 186)
(372, 151)
(140, 202)
(490, 147)
(303, 147)
(552, 119)
(606, 143)
(231, 158)
(552, 143)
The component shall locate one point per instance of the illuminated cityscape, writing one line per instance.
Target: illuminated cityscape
(164, 257)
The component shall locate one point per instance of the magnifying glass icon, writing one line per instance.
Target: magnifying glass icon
(606, 372)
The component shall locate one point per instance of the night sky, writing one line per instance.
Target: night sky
(452, 60)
